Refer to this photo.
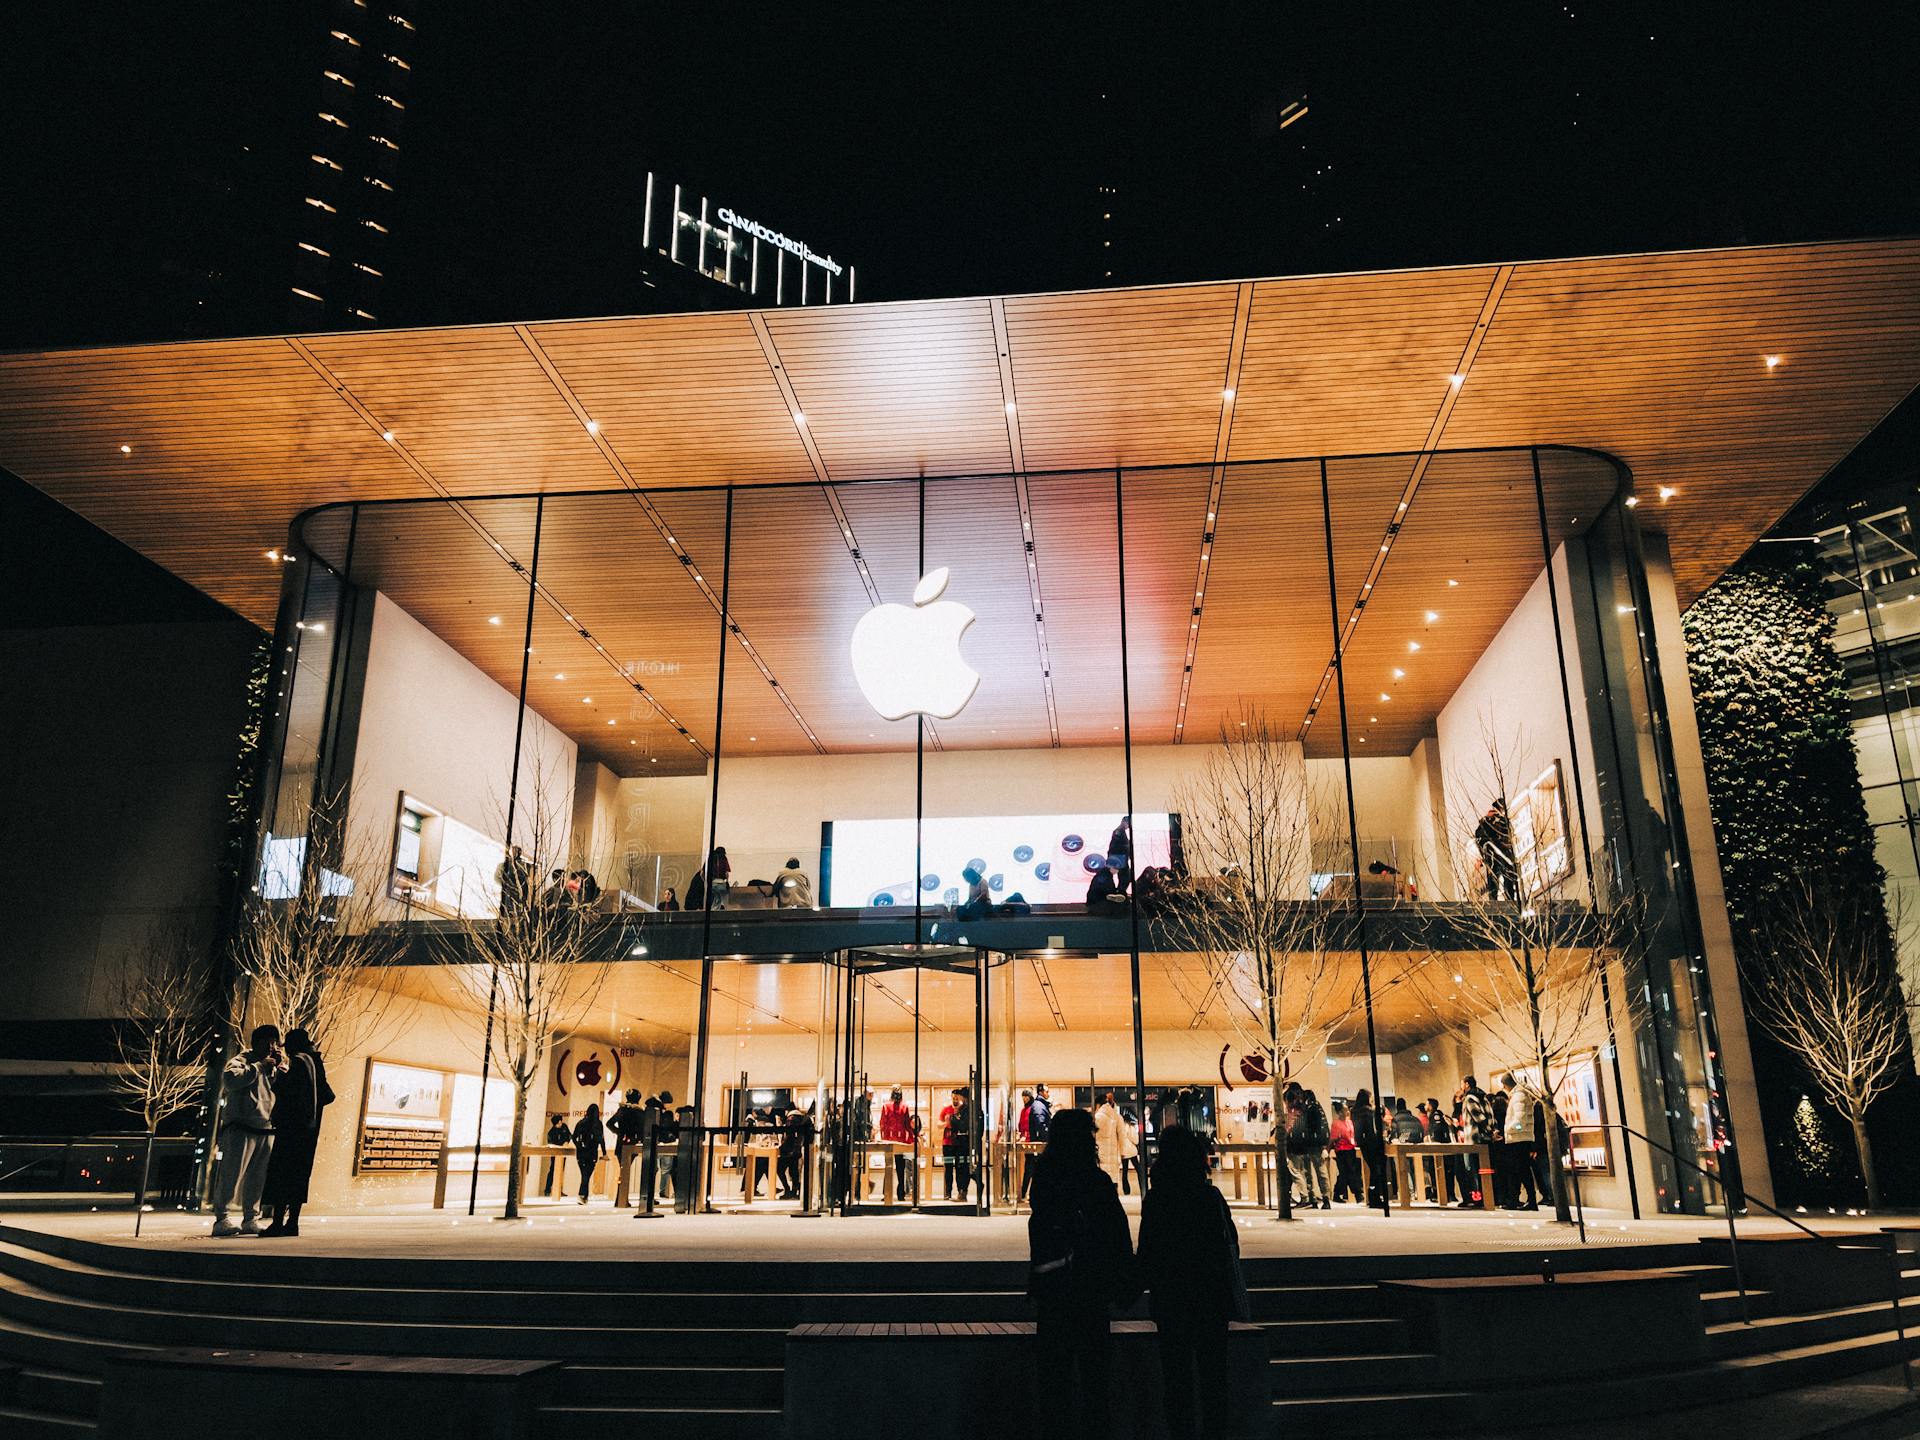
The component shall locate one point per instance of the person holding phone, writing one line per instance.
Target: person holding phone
(244, 1143)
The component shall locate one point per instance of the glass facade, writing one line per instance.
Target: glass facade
(1351, 772)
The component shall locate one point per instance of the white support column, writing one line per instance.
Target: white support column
(1723, 975)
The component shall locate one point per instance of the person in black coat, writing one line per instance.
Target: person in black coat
(1369, 1140)
(1081, 1267)
(589, 1144)
(300, 1095)
(1189, 1255)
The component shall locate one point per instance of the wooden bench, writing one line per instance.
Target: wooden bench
(1514, 1328)
(976, 1381)
(190, 1393)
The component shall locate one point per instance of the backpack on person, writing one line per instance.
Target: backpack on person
(1315, 1132)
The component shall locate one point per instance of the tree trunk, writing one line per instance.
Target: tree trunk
(1283, 1180)
(1864, 1148)
(514, 1144)
(140, 1194)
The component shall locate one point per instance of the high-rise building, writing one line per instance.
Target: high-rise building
(346, 209)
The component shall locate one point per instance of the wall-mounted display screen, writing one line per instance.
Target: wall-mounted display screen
(1046, 859)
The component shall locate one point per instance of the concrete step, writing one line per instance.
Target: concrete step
(554, 1306)
(59, 1392)
(1322, 1375)
(1314, 1302)
(29, 1346)
(1290, 1339)
(1412, 1412)
(1723, 1307)
(570, 1422)
(1773, 1333)
(17, 1423)
(28, 1303)
(748, 1385)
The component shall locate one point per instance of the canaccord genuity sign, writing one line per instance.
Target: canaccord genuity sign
(774, 237)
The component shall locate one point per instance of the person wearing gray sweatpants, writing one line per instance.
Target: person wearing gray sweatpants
(245, 1136)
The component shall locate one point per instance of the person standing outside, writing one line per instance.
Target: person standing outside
(629, 1127)
(245, 1136)
(589, 1144)
(1081, 1265)
(300, 1095)
(896, 1128)
(1189, 1256)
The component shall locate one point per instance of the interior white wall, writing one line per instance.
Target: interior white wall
(1512, 701)
(434, 726)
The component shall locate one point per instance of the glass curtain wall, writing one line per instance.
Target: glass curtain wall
(1170, 785)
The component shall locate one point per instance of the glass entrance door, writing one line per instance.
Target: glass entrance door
(924, 1082)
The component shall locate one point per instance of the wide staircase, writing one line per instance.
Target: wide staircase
(697, 1347)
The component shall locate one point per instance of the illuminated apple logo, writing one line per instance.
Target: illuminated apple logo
(907, 658)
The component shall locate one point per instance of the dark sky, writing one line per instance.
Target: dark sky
(952, 150)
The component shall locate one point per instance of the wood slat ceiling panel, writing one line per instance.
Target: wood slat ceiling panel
(230, 440)
(1076, 555)
(1330, 359)
(1661, 359)
(1474, 520)
(1264, 631)
(472, 405)
(1166, 526)
(925, 372)
(1120, 377)
(682, 399)
(803, 635)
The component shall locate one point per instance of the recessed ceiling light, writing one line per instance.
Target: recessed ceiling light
(1385, 697)
(1456, 379)
(1227, 394)
(387, 435)
(1772, 361)
(753, 739)
(560, 676)
(273, 554)
(1412, 645)
(586, 699)
(1373, 719)
(1010, 407)
(1433, 617)
(1363, 739)
(1398, 673)
(799, 418)
(493, 619)
(126, 449)
(1631, 501)
(1667, 492)
(593, 427)
(1453, 584)
(653, 759)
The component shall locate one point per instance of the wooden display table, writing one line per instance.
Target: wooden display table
(1240, 1156)
(1406, 1157)
(757, 1161)
(528, 1154)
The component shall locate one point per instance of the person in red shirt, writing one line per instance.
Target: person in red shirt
(896, 1127)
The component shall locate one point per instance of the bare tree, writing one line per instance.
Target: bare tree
(538, 964)
(314, 934)
(164, 1038)
(1243, 918)
(1524, 972)
(1823, 979)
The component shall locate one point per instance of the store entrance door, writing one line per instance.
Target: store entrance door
(923, 1079)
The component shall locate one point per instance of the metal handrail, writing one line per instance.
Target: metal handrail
(1728, 1197)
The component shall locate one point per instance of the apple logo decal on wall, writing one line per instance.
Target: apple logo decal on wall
(907, 658)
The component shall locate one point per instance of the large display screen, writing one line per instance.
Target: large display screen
(1044, 859)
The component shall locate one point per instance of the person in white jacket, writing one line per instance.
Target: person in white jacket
(1109, 1126)
(1522, 1134)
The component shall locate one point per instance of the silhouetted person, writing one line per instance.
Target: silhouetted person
(710, 884)
(557, 1134)
(1493, 836)
(300, 1094)
(589, 1144)
(1372, 1145)
(1081, 1267)
(1188, 1257)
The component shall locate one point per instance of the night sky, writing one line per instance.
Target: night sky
(942, 150)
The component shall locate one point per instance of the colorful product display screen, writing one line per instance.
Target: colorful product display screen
(1045, 859)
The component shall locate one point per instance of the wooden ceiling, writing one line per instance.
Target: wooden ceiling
(1660, 360)
(656, 1004)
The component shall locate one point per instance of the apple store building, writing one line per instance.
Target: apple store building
(879, 808)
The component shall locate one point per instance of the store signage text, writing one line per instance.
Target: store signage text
(774, 237)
